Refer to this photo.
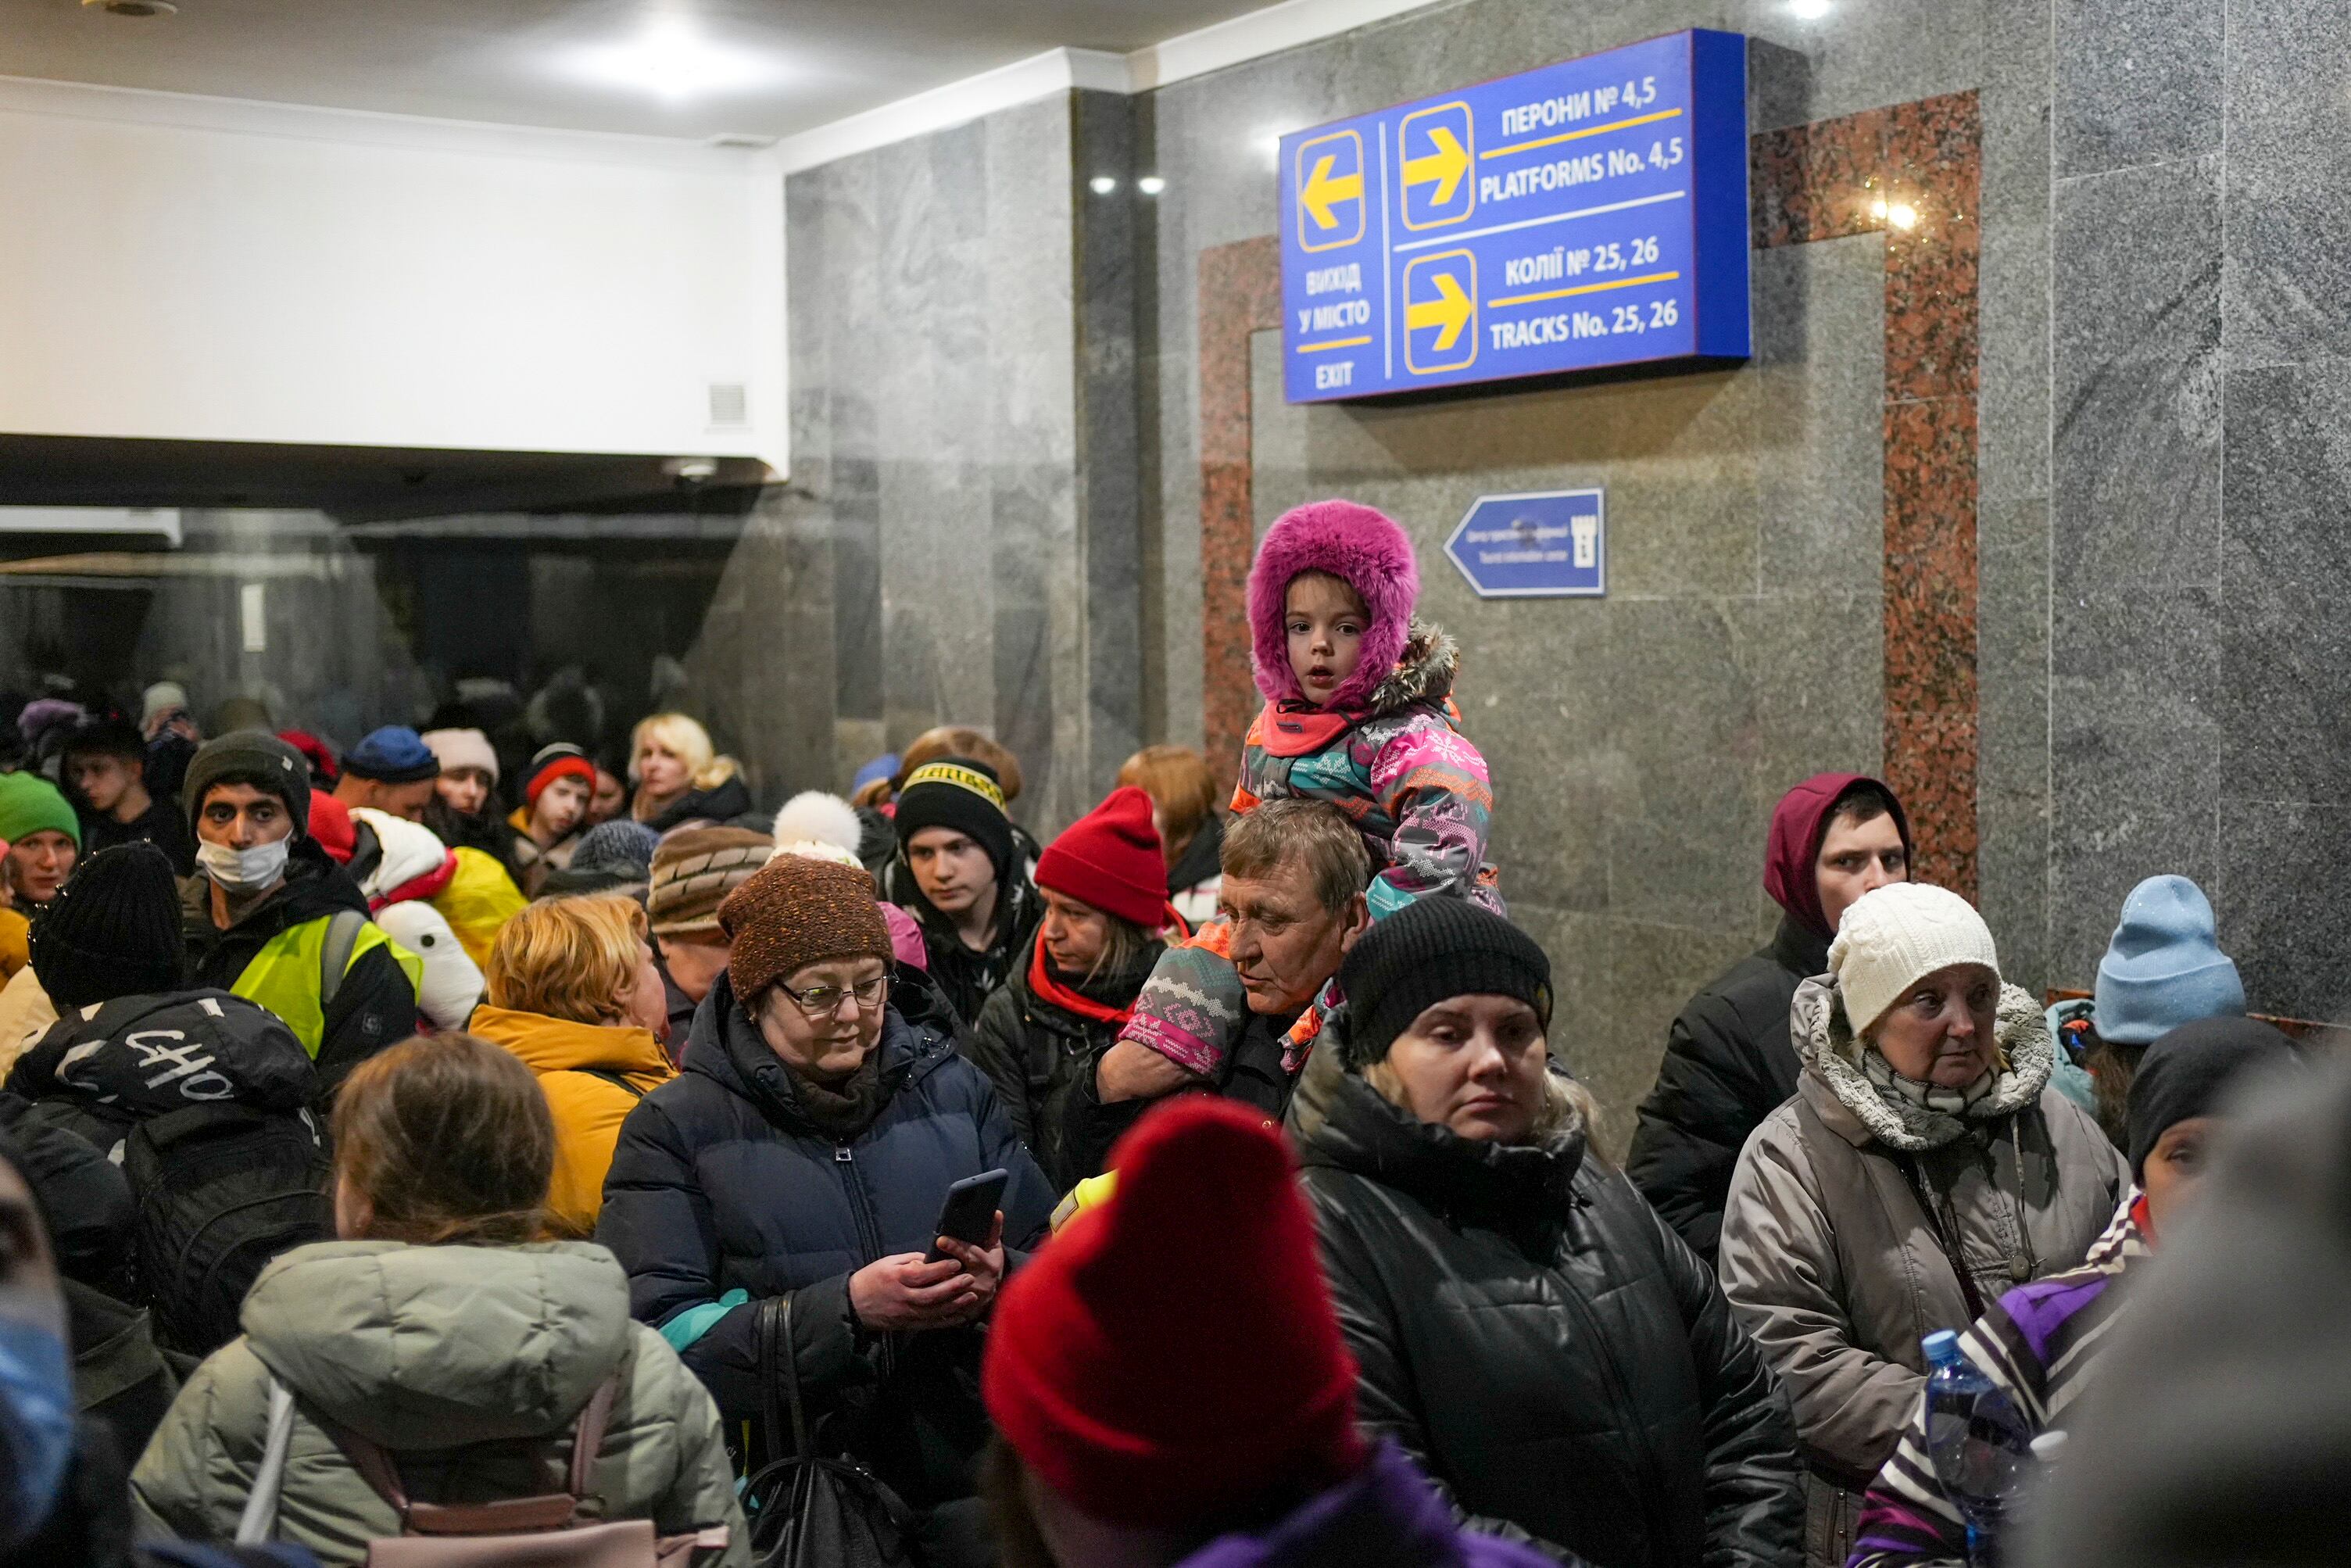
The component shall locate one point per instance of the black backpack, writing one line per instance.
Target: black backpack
(219, 1190)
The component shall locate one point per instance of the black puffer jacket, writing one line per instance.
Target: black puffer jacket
(1728, 1064)
(722, 1193)
(1550, 1351)
(1034, 1052)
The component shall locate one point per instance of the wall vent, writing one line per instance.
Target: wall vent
(730, 405)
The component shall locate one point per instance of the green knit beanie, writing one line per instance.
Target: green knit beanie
(29, 803)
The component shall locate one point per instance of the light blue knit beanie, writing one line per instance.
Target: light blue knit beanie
(2164, 966)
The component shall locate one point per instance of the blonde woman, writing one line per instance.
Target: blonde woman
(573, 992)
(680, 777)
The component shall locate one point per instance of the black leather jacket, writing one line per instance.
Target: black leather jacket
(1728, 1063)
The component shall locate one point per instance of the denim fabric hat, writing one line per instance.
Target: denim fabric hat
(2164, 966)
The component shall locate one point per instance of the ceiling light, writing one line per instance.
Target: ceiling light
(1902, 216)
(673, 62)
(134, 8)
(1269, 143)
(1808, 10)
(1151, 184)
(1101, 184)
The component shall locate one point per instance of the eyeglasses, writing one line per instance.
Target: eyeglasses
(823, 1001)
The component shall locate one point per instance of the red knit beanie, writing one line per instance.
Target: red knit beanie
(1110, 859)
(1086, 1374)
(331, 825)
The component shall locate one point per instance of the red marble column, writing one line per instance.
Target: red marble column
(1240, 293)
(1914, 172)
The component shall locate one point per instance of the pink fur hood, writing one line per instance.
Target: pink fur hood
(1364, 548)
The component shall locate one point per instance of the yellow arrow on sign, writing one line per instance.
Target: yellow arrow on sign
(1450, 311)
(1321, 190)
(1444, 166)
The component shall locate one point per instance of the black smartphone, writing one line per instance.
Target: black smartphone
(968, 1213)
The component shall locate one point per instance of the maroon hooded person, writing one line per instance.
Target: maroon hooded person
(1728, 1060)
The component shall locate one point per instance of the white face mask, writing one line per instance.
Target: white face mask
(242, 870)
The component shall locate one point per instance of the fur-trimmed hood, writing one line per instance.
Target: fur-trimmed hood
(1364, 548)
(1824, 1039)
(1422, 674)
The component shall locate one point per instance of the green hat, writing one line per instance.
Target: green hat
(28, 803)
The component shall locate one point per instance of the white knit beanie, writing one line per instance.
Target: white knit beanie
(1895, 936)
(456, 748)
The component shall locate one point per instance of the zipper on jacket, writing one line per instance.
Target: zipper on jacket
(869, 1238)
(1649, 1469)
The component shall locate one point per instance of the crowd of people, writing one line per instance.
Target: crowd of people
(457, 1135)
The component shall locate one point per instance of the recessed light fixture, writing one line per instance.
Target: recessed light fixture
(672, 61)
(1151, 184)
(1101, 184)
(133, 7)
(1808, 10)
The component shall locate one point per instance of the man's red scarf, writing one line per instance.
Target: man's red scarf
(1046, 988)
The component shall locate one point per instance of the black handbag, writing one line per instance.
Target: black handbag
(807, 1511)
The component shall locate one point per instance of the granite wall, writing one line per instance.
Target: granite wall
(966, 443)
(2198, 699)
(1638, 742)
(2031, 507)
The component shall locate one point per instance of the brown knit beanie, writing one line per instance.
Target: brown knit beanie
(694, 871)
(796, 913)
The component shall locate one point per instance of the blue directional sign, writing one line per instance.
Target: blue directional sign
(1545, 544)
(1586, 214)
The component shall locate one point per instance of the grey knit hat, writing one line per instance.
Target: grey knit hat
(252, 757)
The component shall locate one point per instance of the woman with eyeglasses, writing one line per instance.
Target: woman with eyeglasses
(804, 1151)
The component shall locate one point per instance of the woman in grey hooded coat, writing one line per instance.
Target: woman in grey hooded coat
(1923, 1167)
(440, 1330)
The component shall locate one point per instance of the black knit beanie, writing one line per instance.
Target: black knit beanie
(114, 929)
(2192, 1072)
(959, 793)
(252, 757)
(1430, 951)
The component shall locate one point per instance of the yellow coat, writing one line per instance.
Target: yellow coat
(478, 902)
(588, 1110)
(15, 943)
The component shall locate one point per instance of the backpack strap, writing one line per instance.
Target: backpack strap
(258, 1522)
(343, 928)
(507, 1516)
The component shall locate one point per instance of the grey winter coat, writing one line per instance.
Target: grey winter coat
(471, 1363)
(1835, 1266)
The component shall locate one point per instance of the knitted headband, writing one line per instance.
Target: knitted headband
(963, 777)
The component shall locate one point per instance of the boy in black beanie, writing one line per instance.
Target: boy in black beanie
(955, 872)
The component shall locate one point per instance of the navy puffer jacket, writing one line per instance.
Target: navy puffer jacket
(722, 1193)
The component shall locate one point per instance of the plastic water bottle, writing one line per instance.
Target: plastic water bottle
(1981, 1444)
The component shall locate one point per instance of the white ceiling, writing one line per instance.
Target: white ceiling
(790, 63)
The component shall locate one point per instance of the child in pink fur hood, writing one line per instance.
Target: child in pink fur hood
(1358, 708)
(1359, 713)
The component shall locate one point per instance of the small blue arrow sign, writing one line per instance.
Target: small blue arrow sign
(1546, 544)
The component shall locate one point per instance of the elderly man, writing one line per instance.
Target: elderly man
(1231, 1012)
